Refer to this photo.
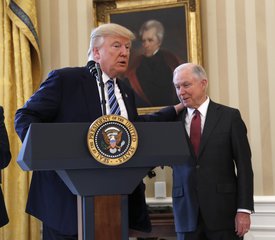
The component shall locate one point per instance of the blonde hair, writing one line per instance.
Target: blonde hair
(107, 29)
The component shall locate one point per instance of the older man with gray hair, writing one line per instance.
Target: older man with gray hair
(213, 189)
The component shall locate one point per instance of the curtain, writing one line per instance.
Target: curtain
(20, 75)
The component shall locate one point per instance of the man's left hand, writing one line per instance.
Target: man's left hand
(242, 223)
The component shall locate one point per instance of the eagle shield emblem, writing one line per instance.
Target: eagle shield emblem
(112, 139)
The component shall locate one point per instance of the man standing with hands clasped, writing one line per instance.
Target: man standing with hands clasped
(211, 200)
(76, 95)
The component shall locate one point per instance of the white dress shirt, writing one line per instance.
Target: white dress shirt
(123, 110)
(190, 112)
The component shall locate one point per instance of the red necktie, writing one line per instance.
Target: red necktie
(195, 131)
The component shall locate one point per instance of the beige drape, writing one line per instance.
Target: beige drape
(19, 77)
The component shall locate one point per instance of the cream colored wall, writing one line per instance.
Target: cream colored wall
(238, 44)
(65, 27)
(238, 47)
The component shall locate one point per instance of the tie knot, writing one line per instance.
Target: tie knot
(196, 113)
(110, 84)
(110, 81)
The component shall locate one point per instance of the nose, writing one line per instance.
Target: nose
(125, 50)
(181, 91)
(145, 44)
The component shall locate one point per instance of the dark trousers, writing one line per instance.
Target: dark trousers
(202, 233)
(51, 234)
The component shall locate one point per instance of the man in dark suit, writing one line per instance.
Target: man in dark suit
(74, 95)
(5, 157)
(211, 200)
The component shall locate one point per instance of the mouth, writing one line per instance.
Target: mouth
(184, 100)
(122, 63)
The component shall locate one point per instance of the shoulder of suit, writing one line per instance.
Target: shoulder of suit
(69, 72)
(1, 115)
(222, 106)
(170, 57)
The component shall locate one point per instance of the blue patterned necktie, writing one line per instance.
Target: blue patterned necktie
(114, 107)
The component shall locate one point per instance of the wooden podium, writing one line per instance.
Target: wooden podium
(101, 189)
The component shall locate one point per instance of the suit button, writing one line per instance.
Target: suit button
(198, 166)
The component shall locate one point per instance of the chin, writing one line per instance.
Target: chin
(122, 70)
(184, 103)
(148, 55)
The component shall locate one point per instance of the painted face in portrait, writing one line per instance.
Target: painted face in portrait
(150, 42)
(113, 55)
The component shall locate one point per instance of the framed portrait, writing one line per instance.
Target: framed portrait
(167, 33)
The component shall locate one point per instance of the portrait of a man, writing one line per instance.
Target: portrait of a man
(160, 46)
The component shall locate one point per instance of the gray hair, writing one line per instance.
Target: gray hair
(196, 69)
(153, 24)
(104, 30)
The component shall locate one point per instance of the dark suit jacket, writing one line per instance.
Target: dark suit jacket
(71, 95)
(5, 157)
(209, 182)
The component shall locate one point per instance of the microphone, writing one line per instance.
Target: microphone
(92, 68)
(95, 70)
(98, 70)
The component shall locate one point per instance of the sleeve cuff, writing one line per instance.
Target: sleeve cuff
(244, 210)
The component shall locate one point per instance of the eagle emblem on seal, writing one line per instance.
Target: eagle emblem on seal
(112, 137)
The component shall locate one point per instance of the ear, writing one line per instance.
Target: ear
(204, 82)
(96, 54)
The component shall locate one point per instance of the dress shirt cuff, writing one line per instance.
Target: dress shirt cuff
(244, 210)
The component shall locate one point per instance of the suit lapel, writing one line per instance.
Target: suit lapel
(130, 107)
(91, 93)
(212, 118)
(182, 119)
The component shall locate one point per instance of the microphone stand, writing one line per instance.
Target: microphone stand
(101, 84)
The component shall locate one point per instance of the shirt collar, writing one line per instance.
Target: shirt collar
(105, 78)
(155, 52)
(202, 108)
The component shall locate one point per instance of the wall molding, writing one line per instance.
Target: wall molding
(262, 220)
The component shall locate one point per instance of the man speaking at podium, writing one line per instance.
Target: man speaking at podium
(76, 95)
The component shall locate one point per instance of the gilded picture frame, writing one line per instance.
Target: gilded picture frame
(180, 19)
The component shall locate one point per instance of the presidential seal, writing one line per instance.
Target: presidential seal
(112, 140)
